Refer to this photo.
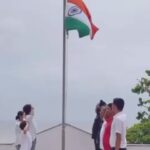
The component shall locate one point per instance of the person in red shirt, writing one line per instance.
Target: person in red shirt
(107, 129)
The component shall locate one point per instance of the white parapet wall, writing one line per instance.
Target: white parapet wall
(76, 139)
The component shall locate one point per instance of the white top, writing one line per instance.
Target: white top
(17, 132)
(32, 126)
(26, 141)
(119, 126)
(102, 134)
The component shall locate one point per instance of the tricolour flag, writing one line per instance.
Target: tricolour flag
(79, 18)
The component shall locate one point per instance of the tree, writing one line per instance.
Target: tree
(142, 88)
(140, 133)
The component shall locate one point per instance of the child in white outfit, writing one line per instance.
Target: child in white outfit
(25, 138)
(19, 119)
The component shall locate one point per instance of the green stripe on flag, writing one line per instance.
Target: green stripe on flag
(74, 24)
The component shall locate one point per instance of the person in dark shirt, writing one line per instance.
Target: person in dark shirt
(97, 125)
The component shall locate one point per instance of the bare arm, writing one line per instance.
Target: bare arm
(118, 141)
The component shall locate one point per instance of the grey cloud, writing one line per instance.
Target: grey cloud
(108, 66)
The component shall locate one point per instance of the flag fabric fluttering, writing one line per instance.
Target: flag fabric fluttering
(79, 18)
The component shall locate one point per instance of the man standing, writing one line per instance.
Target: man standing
(97, 125)
(118, 130)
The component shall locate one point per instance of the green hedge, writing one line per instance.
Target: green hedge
(139, 133)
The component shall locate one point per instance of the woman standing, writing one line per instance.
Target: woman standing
(29, 118)
(97, 125)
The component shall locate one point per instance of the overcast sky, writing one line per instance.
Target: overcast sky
(107, 67)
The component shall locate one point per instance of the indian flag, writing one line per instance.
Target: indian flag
(79, 18)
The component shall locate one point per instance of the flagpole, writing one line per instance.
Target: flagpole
(64, 90)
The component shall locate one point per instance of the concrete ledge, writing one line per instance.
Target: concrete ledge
(76, 138)
(138, 145)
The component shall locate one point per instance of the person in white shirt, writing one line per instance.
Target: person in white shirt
(29, 117)
(118, 129)
(19, 119)
(25, 138)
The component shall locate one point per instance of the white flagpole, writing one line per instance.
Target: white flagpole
(64, 89)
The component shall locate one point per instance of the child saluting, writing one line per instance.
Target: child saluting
(25, 138)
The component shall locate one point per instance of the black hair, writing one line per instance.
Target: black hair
(97, 110)
(27, 109)
(23, 125)
(110, 105)
(19, 114)
(102, 103)
(119, 103)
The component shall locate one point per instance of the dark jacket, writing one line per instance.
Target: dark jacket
(96, 128)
